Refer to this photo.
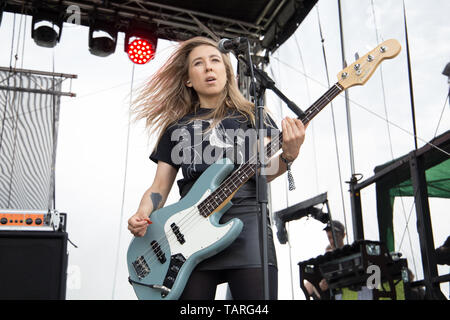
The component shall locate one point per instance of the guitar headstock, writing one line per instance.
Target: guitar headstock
(361, 70)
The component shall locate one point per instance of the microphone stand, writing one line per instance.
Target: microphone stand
(258, 91)
(267, 83)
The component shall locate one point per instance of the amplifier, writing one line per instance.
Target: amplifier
(31, 220)
(33, 265)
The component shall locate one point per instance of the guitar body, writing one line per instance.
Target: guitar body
(179, 238)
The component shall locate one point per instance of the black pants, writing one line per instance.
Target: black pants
(245, 284)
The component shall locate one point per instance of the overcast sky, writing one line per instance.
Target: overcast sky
(102, 166)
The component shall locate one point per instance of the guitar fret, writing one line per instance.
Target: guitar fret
(237, 179)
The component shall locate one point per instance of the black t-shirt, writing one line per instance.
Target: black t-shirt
(189, 145)
(199, 149)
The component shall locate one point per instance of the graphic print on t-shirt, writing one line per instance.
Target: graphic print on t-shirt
(190, 145)
(206, 147)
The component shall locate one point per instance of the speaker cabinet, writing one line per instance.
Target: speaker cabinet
(33, 265)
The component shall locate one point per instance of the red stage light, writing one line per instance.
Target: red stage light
(141, 51)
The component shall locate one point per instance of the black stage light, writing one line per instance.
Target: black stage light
(446, 71)
(140, 43)
(46, 28)
(104, 42)
(300, 210)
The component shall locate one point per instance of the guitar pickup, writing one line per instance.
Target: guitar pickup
(157, 250)
(141, 267)
(178, 234)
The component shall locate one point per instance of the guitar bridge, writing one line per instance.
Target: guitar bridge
(141, 267)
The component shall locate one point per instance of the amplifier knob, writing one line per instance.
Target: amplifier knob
(4, 221)
(29, 221)
(38, 221)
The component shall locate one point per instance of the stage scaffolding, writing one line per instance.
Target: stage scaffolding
(29, 119)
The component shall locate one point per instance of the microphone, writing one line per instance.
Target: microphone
(226, 45)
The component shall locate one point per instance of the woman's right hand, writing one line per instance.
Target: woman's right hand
(138, 224)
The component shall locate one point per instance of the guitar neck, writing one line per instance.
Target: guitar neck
(307, 116)
(240, 176)
(356, 74)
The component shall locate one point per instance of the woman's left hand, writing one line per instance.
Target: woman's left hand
(293, 137)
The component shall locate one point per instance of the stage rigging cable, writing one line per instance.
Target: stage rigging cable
(308, 91)
(334, 124)
(406, 229)
(442, 113)
(356, 103)
(124, 187)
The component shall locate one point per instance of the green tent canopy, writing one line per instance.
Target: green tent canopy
(395, 180)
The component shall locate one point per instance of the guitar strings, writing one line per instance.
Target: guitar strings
(193, 220)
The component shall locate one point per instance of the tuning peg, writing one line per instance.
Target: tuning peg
(356, 56)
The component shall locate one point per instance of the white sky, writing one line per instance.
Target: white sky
(101, 172)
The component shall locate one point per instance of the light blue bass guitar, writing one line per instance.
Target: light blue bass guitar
(185, 233)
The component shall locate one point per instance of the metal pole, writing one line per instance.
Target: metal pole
(355, 200)
(347, 103)
(424, 227)
(411, 94)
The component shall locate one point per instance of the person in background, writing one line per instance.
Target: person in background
(340, 234)
(322, 293)
(443, 253)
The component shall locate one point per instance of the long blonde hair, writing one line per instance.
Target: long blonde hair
(165, 98)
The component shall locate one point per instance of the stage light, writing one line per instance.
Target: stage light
(46, 28)
(141, 51)
(103, 43)
(140, 45)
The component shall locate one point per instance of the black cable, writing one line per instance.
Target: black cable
(411, 94)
